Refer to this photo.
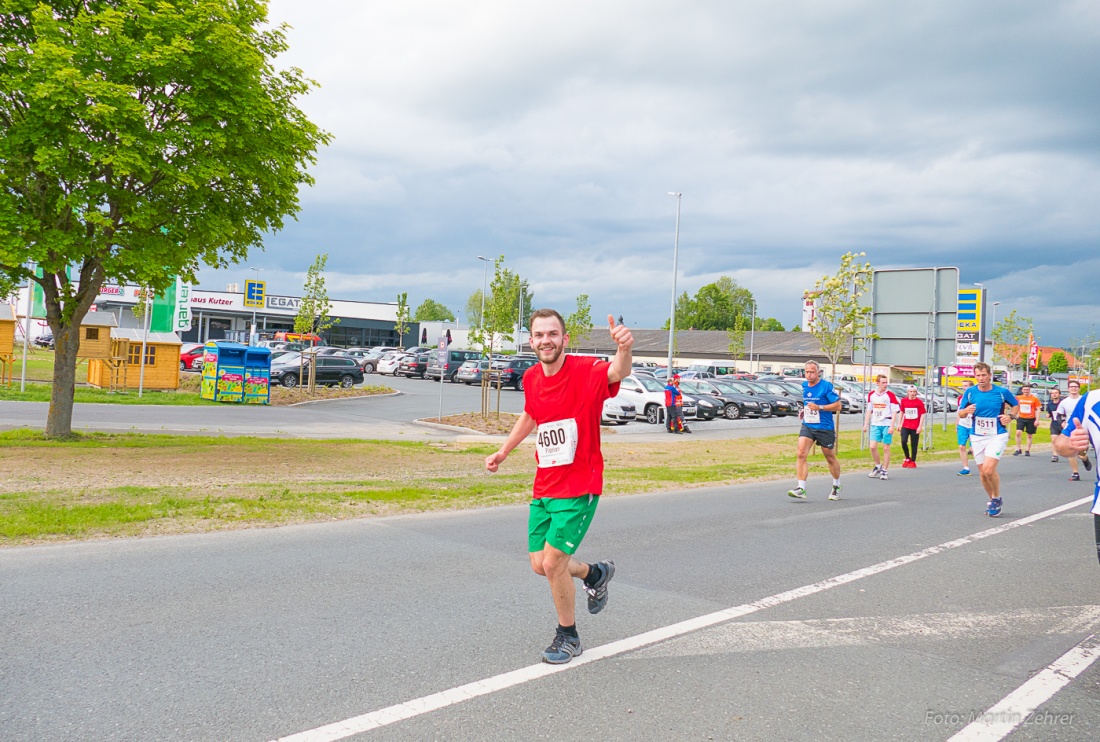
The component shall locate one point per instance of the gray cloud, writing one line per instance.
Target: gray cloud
(934, 134)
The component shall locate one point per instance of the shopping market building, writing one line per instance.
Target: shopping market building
(222, 315)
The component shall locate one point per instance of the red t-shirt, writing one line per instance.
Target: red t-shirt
(911, 404)
(577, 392)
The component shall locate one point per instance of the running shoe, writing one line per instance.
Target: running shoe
(912, 464)
(875, 472)
(835, 494)
(1086, 463)
(597, 594)
(964, 472)
(907, 464)
(1075, 477)
(799, 492)
(562, 649)
(1027, 454)
(993, 509)
(1054, 459)
(1017, 452)
(883, 476)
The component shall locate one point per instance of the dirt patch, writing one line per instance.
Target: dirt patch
(494, 424)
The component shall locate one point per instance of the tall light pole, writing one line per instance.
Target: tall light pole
(675, 260)
(256, 277)
(752, 334)
(484, 290)
(519, 318)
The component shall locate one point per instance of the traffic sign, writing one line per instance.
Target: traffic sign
(254, 294)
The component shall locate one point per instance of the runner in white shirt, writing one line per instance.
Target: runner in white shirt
(879, 421)
(1064, 414)
(1082, 430)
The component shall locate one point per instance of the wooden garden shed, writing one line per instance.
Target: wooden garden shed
(122, 368)
(7, 342)
(95, 335)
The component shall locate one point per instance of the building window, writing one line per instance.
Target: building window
(91, 333)
(135, 355)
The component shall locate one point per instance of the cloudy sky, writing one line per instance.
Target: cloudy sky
(940, 133)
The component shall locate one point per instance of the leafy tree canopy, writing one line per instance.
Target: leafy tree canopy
(716, 306)
(140, 139)
(432, 311)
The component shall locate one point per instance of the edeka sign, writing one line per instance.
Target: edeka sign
(283, 304)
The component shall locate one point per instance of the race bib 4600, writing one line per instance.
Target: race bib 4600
(556, 443)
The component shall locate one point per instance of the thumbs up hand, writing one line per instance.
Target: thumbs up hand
(1079, 438)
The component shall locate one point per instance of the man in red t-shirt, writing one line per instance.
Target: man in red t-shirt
(563, 401)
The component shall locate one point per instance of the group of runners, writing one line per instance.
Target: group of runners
(563, 399)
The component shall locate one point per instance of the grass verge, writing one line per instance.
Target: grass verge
(115, 485)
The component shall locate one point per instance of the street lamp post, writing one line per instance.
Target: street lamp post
(519, 319)
(675, 259)
(256, 275)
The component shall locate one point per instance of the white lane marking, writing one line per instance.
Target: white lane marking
(771, 636)
(435, 701)
(1018, 706)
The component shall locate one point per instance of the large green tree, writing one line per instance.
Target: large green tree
(430, 310)
(140, 139)
(1057, 363)
(716, 306)
(578, 325)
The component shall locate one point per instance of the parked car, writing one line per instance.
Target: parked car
(733, 404)
(191, 355)
(706, 408)
(781, 405)
(44, 341)
(331, 370)
(414, 364)
(510, 371)
(449, 368)
(367, 358)
(470, 372)
(648, 397)
(389, 362)
(689, 374)
(617, 410)
(328, 350)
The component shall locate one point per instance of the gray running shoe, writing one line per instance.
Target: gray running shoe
(875, 472)
(597, 595)
(835, 494)
(799, 492)
(562, 649)
(883, 475)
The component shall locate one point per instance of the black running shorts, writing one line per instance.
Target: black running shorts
(823, 438)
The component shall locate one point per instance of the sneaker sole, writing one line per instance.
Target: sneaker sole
(796, 496)
(608, 568)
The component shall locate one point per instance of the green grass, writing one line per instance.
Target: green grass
(255, 481)
(38, 392)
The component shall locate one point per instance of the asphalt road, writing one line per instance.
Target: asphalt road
(256, 635)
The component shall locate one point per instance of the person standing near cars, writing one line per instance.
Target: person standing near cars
(1025, 423)
(820, 401)
(563, 401)
(674, 406)
(1051, 408)
(879, 419)
(910, 423)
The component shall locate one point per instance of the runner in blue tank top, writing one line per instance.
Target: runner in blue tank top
(985, 405)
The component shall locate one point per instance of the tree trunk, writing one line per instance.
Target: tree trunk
(59, 421)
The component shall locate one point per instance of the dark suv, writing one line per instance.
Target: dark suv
(510, 371)
(331, 370)
(448, 369)
(414, 364)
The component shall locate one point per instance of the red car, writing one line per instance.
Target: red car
(191, 356)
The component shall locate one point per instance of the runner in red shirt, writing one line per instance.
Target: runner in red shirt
(911, 422)
(563, 401)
